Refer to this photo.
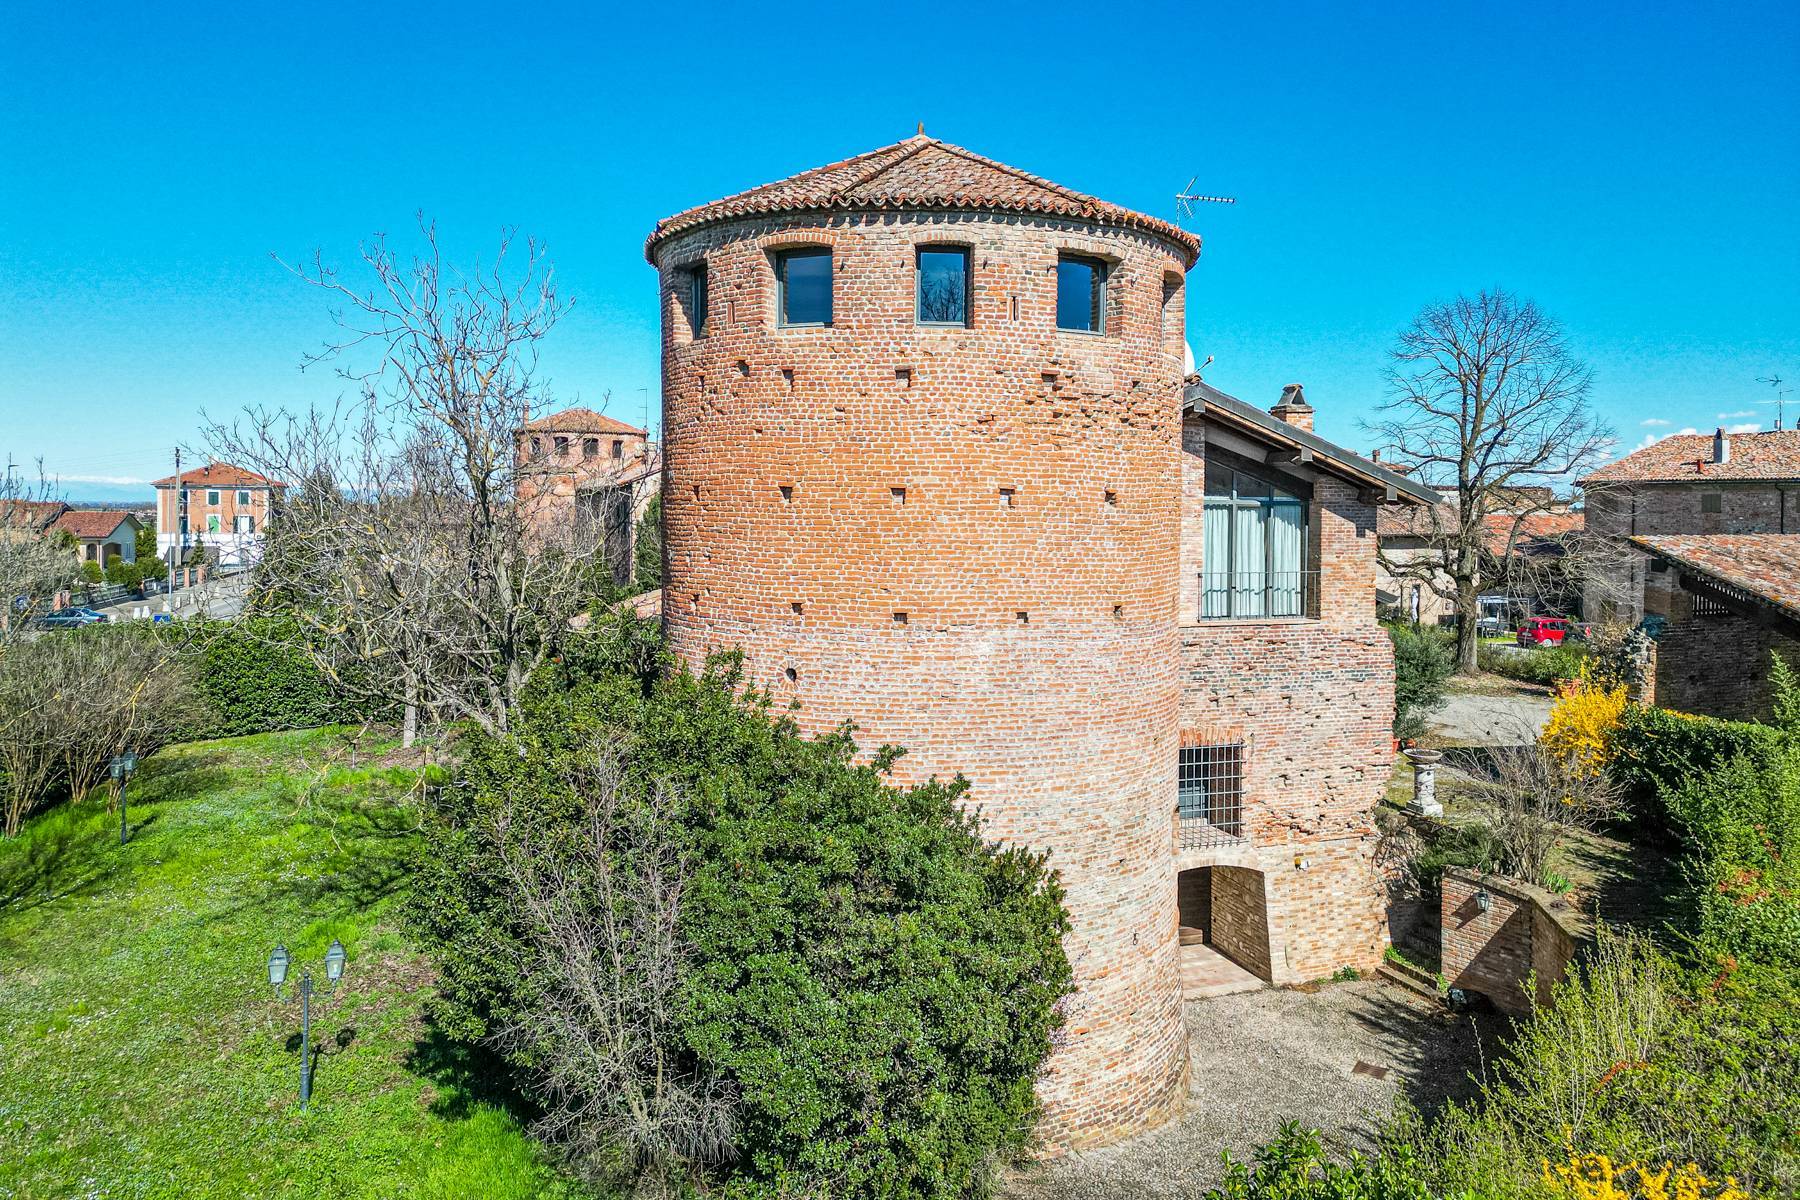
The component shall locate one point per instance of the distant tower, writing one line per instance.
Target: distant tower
(917, 502)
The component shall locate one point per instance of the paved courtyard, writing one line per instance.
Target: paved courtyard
(1335, 1058)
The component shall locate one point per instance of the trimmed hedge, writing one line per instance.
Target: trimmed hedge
(249, 681)
(1655, 752)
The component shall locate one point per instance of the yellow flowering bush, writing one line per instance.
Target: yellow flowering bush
(1582, 722)
(1596, 1177)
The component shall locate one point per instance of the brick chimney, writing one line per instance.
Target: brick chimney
(1293, 408)
(1721, 446)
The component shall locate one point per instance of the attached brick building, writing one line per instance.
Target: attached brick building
(931, 461)
(1723, 483)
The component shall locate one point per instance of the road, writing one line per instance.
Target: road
(220, 597)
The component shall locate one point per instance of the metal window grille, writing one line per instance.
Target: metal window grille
(1209, 798)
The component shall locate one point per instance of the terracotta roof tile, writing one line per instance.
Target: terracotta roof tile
(920, 172)
(1766, 565)
(30, 514)
(92, 523)
(1686, 457)
(219, 475)
(580, 420)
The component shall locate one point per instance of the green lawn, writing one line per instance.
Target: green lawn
(141, 1051)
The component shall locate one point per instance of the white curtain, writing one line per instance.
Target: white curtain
(1285, 558)
(1215, 560)
(1249, 566)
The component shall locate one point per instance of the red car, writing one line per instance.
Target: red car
(1543, 631)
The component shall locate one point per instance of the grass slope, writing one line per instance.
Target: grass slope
(141, 1051)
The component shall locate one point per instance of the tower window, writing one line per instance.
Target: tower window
(695, 297)
(1712, 502)
(1080, 293)
(942, 286)
(803, 278)
(618, 449)
(590, 447)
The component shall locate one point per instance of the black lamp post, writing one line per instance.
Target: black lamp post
(335, 958)
(121, 767)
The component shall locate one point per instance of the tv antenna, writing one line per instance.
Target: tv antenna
(1186, 198)
(1781, 395)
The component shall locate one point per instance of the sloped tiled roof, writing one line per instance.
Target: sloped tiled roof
(219, 475)
(92, 523)
(1686, 457)
(580, 420)
(1398, 522)
(1767, 565)
(30, 514)
(920, 172)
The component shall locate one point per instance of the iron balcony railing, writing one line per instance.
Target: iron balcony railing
(1252, 595)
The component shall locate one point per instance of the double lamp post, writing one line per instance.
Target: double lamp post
(335, 958)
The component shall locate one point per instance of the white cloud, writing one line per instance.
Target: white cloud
(1650, 439)
(1746, 427)
(1746, 412)
(1648, 421)
(120, 480)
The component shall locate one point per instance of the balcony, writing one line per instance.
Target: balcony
(1261, 595)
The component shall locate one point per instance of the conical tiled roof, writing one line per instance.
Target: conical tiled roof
(920, 172)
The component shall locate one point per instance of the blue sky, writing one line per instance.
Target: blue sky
(1634, 169)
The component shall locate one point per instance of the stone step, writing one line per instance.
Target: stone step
(1413, 981)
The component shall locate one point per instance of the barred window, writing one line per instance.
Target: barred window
(1209, 795)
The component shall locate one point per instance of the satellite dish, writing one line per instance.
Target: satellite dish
(1187, 357)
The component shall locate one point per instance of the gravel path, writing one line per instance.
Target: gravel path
(1260, 1057)
(1509, 718)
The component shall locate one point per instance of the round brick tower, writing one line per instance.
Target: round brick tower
(956, 524)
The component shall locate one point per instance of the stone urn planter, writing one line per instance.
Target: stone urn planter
(1425, 764)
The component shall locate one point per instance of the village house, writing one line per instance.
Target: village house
(1685, 485)
(1530, 536)
(934, 463)
(97, 535)
(586, 473)
(219, 507)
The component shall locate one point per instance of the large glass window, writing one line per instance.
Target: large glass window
(804, 281)
(1080, 293)
(943, 286)
(1253, 560)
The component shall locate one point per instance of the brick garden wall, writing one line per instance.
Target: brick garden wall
(1495, 952)
(1718, 666)
(836, 503)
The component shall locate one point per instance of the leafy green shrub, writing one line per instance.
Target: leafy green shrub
(91, 572)
(647, 567)
(868, 985)
(1548, 665)
(1294, 1166)
(1470, 845)
(250, 680)
(1654, 750)
(1424, 660)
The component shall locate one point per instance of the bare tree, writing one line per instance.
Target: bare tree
(34, 563)
(423, 580)
(1532, 799)
(604, 958)
(1489, 405)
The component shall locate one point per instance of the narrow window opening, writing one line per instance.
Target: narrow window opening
(898, 494)
(787, 376)
(696, 299)
(618, 449)
(1080, 293)
(1006, 497)
(799, 608)
(1112, 499)
(1015, 308)
(696, 491)
(803, 281)
(1022, 617)
(1118, 610)
(793, 674)
(941, 286)
(743, 368)
(903, 376)
(899, 618)
(787, 493)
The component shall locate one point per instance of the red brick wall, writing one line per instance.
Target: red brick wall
(1240, 929)
(1037, 653)
(1717, 666)
(1495, 952)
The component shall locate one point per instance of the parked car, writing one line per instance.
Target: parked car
(1543, 631)
(68, 618)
